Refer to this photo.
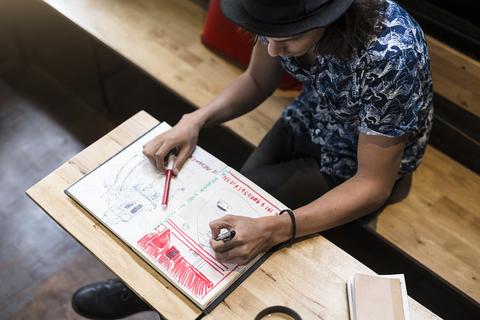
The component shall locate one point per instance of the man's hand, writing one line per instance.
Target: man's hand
(182, 137)
(251, 237)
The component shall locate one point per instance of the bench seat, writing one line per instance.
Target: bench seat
(438, 223)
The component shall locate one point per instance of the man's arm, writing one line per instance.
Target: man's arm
(244, 94)
(379, 160)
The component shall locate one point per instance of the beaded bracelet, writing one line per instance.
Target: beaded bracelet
(289, 243)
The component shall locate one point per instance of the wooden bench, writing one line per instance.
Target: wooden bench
(437, 224)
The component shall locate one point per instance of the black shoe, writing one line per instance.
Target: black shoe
(107, 300)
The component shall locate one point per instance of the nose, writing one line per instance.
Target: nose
(275, 49)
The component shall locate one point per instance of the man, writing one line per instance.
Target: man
(360, 124)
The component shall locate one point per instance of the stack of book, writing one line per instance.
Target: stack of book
(377, 297)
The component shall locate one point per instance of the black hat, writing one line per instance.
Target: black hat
(283, 18)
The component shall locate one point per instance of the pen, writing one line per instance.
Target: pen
(168, 178)
(225, 236)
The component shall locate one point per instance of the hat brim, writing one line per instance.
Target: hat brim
(235, 12)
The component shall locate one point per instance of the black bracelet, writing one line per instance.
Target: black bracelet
(289, 243)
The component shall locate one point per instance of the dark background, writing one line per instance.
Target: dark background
(455, 23)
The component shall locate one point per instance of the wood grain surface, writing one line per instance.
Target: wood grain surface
(309, 278)
(438, 224)
(163, 39)
(455, 75)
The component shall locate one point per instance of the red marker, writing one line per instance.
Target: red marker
(168, 178)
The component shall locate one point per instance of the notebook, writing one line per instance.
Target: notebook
(125, 194)
(382, 297)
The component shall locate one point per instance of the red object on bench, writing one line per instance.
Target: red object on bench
(222, 35)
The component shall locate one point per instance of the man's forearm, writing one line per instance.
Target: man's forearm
(239, 98)
(347, 202)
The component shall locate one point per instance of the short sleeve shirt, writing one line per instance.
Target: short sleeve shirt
(384, 89)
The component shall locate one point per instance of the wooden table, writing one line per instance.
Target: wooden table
(310, 277)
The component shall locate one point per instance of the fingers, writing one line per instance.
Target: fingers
(149, 150)
(180, 138)
(160, 158)
(233, 251)
(251, 237)
(241, 249)
(148, 154)
(221, 248)
(219, 224)
(182, 156)
(154, 151)
(226, 252)
(159, 148)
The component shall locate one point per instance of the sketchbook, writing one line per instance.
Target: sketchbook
(382, 297)
(125, 194)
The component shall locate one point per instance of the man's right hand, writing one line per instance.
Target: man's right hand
(182, 138)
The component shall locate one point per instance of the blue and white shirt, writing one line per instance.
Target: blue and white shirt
(385, 89)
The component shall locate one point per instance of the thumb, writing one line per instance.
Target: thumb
(217, 225)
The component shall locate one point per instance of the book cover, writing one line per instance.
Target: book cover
(382, 297)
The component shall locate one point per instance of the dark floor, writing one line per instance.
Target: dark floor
(41, 127)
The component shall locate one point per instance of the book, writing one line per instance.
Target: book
(125, 195)
(382, 297)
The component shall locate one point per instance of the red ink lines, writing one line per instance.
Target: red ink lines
(252, 195)
(157, 246)
(191, 244)
(199, 162)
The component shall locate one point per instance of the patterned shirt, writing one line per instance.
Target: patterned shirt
(385, 89)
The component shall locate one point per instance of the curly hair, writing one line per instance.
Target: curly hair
(358, 25)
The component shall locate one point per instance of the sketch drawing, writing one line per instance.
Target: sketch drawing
(131, 190)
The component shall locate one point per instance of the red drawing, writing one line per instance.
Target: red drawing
(250, 193)
(190, 243)
(157, 245)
